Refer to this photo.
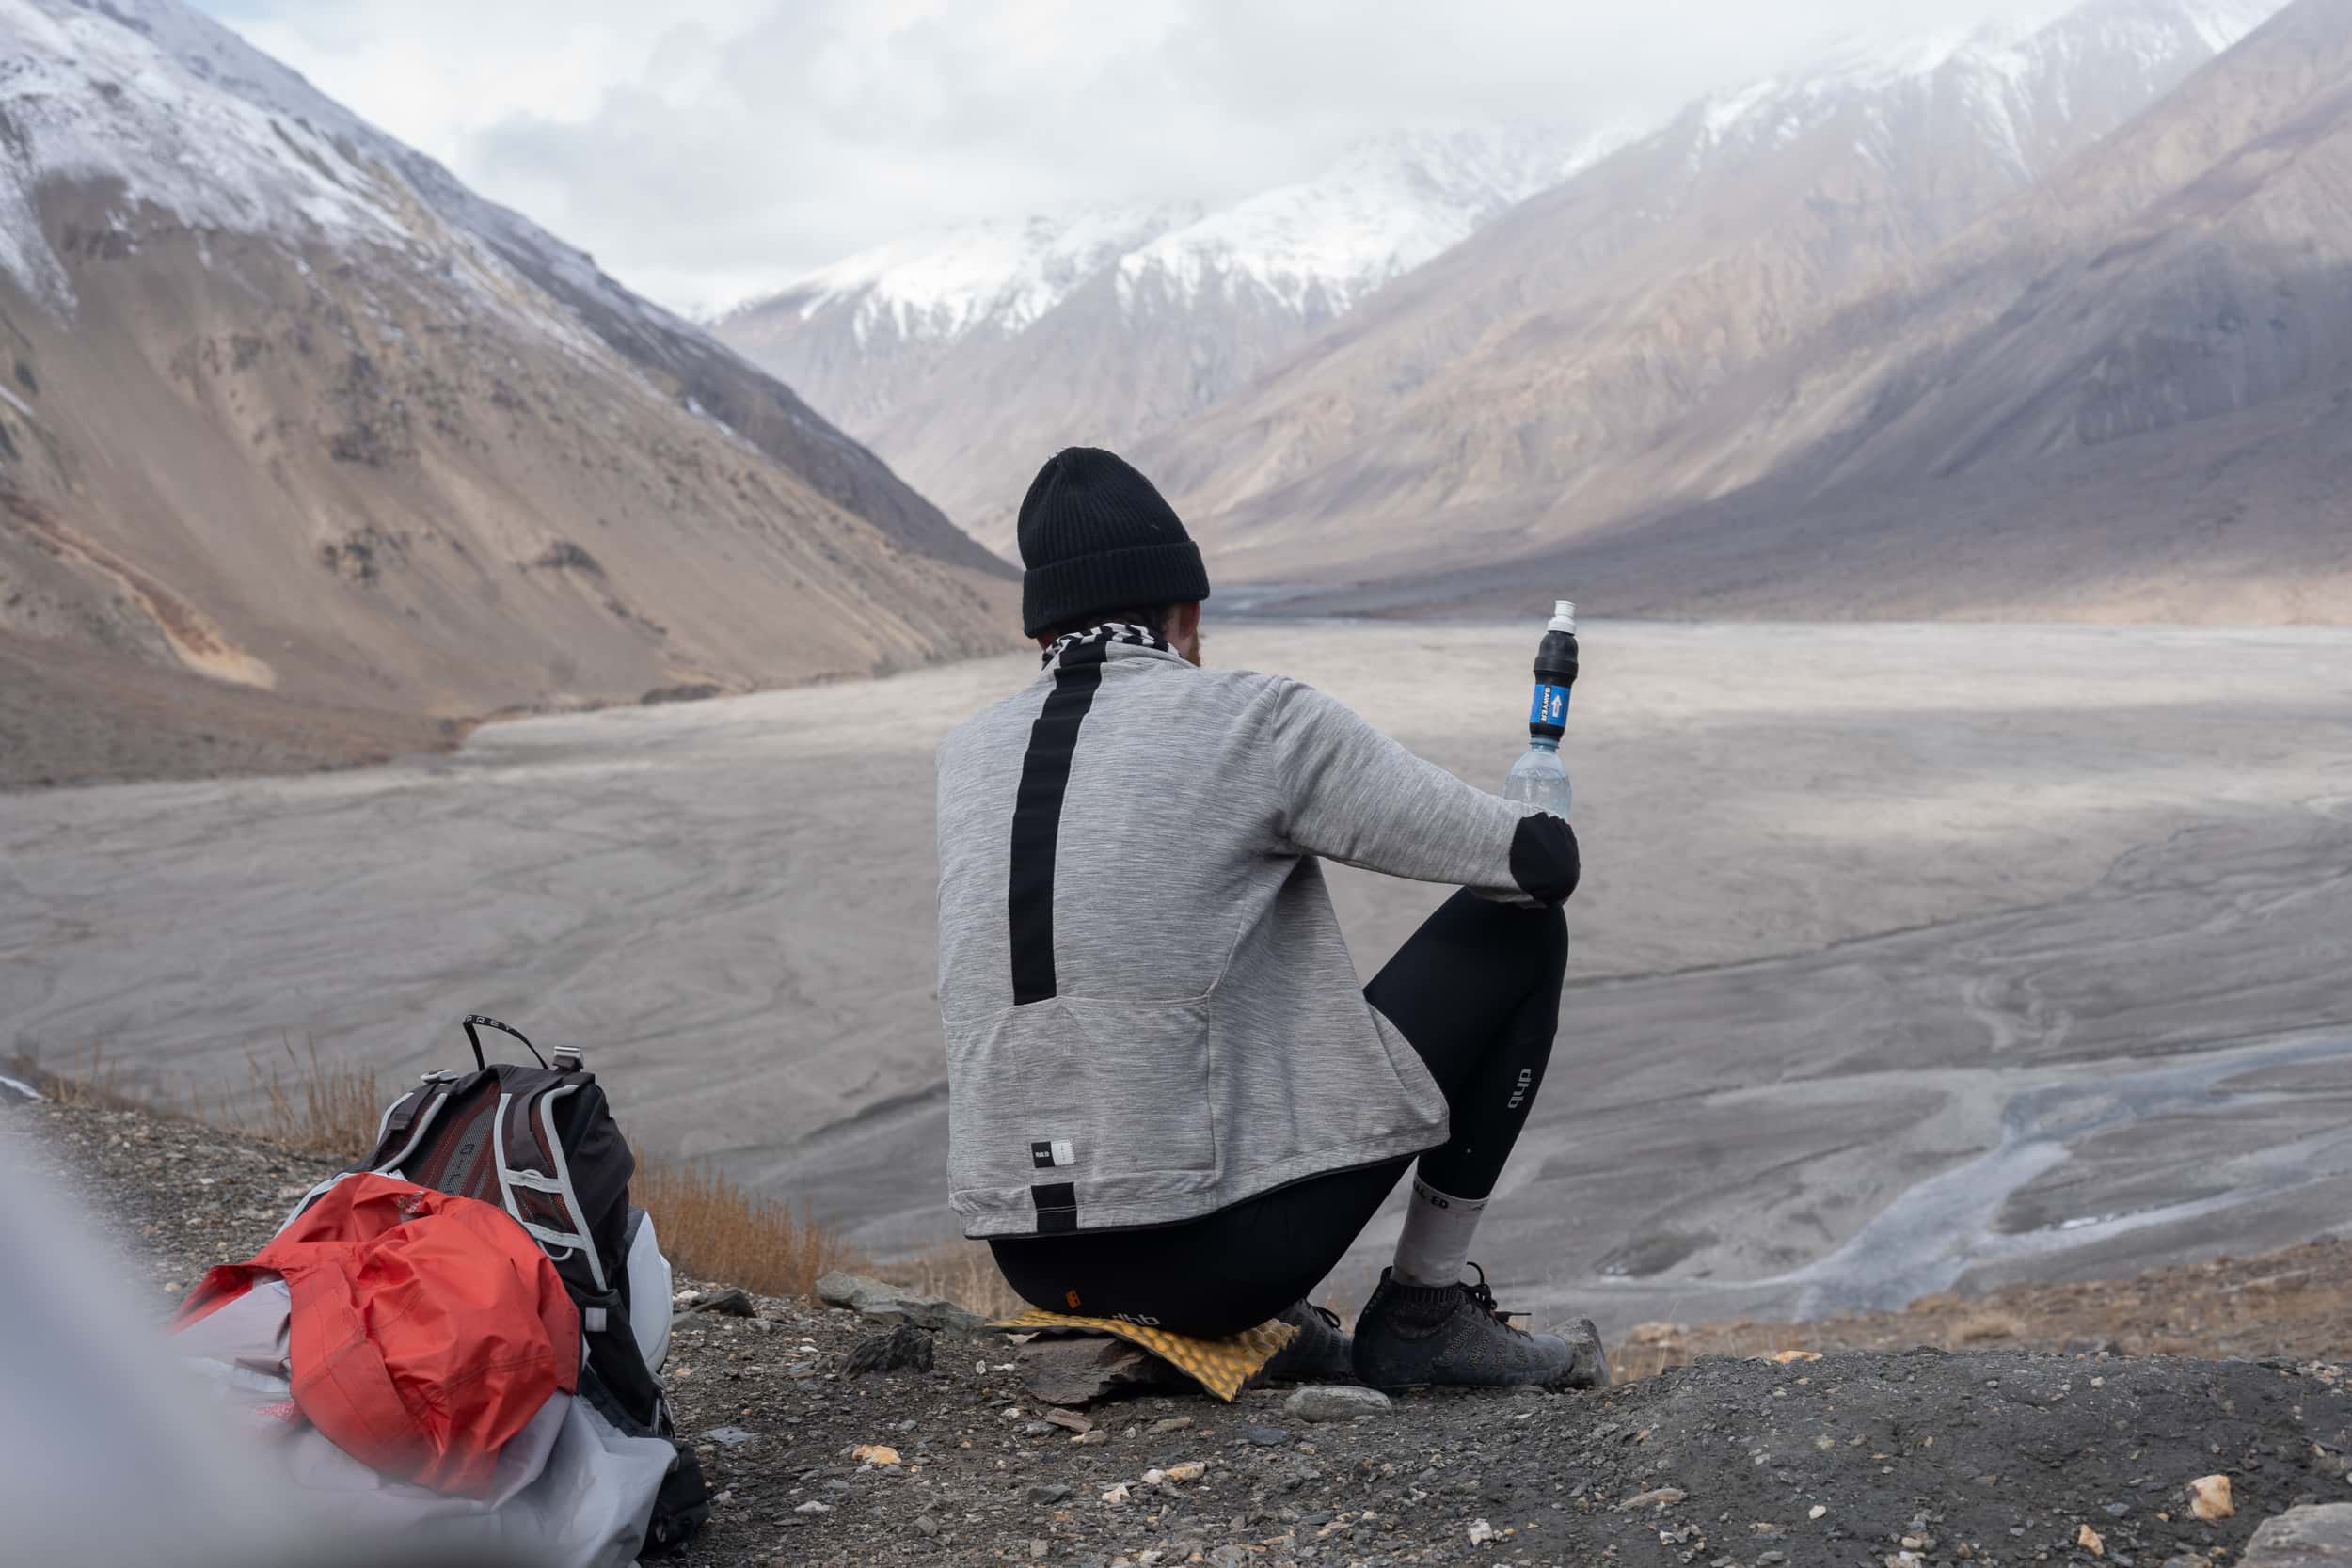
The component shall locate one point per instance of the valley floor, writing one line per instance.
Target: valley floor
(1908, 959)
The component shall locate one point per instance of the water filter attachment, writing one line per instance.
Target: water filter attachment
(1555, 674)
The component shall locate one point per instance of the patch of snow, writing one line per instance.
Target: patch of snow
(94, 101)
(179, 120)
(1003, 274)
(2010, 66)
(1385, 207)
(1724, 110)
(2221, 23)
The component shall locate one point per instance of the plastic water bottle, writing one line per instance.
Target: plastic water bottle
(1541, 779)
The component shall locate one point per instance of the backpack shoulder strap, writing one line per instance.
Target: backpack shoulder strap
(535, 1181)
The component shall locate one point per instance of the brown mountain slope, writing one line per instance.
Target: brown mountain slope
(1517, 392)
(2127, 395)
(287, 408)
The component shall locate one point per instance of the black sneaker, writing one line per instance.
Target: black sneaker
(1408, 1335)
(1320, 1352)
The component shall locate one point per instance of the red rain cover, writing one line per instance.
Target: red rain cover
(427, 1328)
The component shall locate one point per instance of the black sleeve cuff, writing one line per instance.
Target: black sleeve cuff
(1543, 861)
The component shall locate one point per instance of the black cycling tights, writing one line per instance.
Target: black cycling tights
(1477, 991)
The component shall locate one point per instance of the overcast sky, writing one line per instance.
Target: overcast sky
(704, 150)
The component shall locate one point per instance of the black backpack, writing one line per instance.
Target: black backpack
(540, 1142)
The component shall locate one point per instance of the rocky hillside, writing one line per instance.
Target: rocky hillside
(968, 356)
(1547, 378)
(1912, 1458)
(287, 407)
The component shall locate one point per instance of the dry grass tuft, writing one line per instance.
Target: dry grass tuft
(712, 1228)
(95, 1085)
(331, 1109)
(1985, 1325)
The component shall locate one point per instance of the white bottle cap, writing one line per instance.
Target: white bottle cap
(1563, 615)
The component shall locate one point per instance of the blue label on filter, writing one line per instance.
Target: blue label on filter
(1550, 706)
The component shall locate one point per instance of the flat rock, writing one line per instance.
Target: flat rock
(1081, 1370)
(1334, 1402)
(731, 1302)
(2315, 1535)
(892, 1304)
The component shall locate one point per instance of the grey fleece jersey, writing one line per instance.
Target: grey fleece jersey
(1150, 1012)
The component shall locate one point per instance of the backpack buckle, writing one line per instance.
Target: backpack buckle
(438, 1075)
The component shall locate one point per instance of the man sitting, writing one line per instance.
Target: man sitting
(1168, 1101)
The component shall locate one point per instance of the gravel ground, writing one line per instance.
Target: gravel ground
(1898, 1458)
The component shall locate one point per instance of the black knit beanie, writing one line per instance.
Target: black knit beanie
(1096, 536)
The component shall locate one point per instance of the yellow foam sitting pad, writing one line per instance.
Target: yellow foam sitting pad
(1220, 1365)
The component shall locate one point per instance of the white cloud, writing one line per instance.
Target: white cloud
(705, 150)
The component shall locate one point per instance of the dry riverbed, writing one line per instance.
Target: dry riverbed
(1909, 958)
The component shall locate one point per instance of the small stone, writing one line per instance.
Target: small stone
(1265, 1437)
(1038, 1551)
(2209, 1497)
(874, 1453)
(1070, 1420)
(1036, 1429)
(1769, 1559)
(1116, 1494)
(2091, 1541)
(1335, 1402)
(1191, 1469)
(903, 1347)
(1481, 1532)
(1091, 1439)
(1172, 1423)
(731, 1437)
(871, 1298)
(813, 1506)
(1659, 1497)
(732, 1302)
(2117, 1511)
(1046, 1493)
(1817, 1511)
(925, 1525)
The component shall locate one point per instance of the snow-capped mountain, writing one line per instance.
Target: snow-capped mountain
(2028, 79)
(2122, 395)
(1519, 388)
(970, 355)
(291, 406)
(1386, 206)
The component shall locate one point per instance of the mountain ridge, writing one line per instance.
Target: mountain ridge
(974, 355)
(2120, 396)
